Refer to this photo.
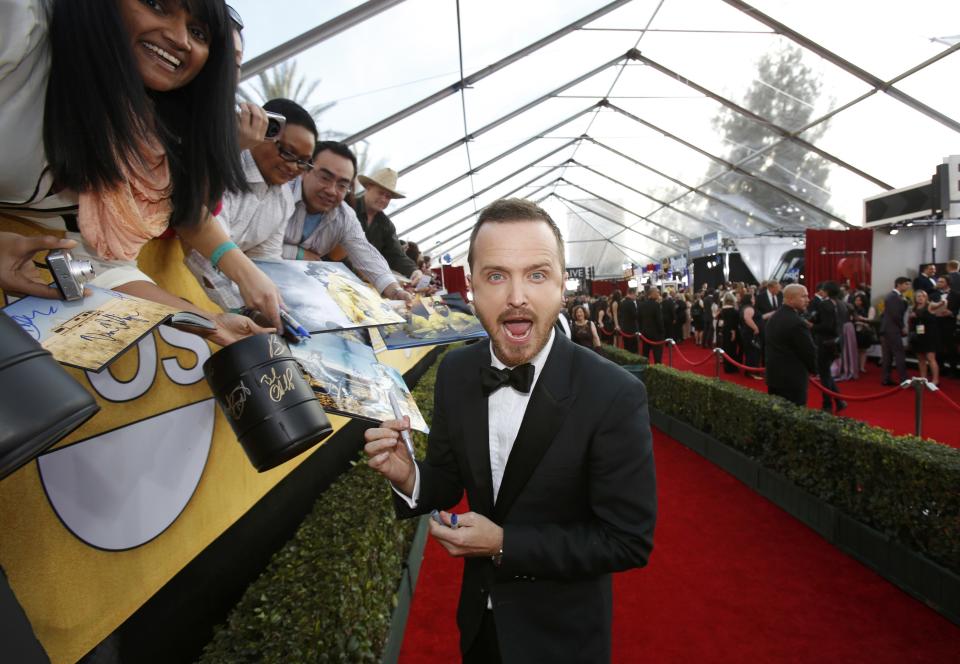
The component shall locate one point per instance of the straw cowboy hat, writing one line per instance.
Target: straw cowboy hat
(386, 178)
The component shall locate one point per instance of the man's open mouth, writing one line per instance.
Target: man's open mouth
(518, 329)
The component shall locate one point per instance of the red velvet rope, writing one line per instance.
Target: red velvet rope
(644, 339)
(742, 366)
(689, 361)
(855, 397)
(949, 401)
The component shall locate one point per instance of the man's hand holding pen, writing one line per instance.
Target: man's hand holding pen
(468, 534)
(388, 454)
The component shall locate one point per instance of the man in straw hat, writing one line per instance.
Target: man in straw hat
(379, 189)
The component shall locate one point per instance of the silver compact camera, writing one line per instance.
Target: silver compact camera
(275, 124)
(69, 274)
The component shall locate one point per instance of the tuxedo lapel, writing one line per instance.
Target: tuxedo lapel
(476, 431)
(541, 422)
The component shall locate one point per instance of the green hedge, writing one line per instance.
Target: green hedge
(328, 595)
(622, 357)
(903, 486)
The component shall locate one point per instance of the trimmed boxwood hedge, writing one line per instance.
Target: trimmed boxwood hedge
(905, 487)
(621, 356)
(328, 595)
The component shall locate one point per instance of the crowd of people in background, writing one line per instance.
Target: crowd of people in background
(844, 324)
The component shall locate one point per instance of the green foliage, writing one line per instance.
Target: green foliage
(906, 487)
(621, 356)
(328, 595)
(282, 81)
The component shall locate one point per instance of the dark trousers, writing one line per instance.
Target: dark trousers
(17, 641)
(630, 343)
(893, 352)
(797, 395)
(485, 649)
(825, 358)
(656, 350)
(947, 352)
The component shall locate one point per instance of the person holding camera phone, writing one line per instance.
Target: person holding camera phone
(114, 176)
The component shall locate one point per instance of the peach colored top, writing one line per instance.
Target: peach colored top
(117, 222)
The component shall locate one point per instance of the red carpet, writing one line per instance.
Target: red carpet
(732, 579)
(894, 413)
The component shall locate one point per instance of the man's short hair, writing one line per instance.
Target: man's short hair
(953, 265)
(294, 113)
(515, 209)
(901, 280)
(339, 149)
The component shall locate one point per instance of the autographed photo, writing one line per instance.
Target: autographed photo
(327, 296)
(432, 322)
(88, 333)
(349, 381)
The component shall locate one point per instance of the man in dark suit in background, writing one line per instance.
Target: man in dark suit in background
(790, 354)
(892, 331)
(551, 443)
(628, 320)
(766, 303)
(926, 280)
(650, 315)
(826, 335)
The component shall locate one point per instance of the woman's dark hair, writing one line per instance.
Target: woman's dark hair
(616, 296)
(413, 251)
(295, 115)
(746, 300)
(831, 288)
(860, 295)
(98, 111)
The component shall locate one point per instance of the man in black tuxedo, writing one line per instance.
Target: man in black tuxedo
(767, 301)
(926, 280)
(628, 320)
(892, 331)
(790, 354)
(652, 325)
(826, 335)
(551, 443)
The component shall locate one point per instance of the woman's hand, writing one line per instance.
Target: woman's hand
(259, 292)
(234, 327)
(252, 125)
(18, 274)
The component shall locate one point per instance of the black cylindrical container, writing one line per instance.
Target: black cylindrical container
(261, 389)
(40, 402)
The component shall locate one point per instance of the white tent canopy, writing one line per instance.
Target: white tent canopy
(639, 124)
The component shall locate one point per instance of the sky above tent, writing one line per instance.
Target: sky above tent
(628, 169)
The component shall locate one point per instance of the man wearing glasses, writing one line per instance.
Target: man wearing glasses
(255, 219)
(323, 220)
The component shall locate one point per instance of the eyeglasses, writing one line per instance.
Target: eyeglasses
(327, 178)
(235, 17)
(286, 155)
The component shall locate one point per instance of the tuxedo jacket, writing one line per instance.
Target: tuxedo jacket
(652, 324)
(763, 305)
(789, 351)
(628, 315)
(924, 283)
(577, 501)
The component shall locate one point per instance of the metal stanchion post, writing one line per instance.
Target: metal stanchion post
(918, 385)
(670, 343)
(719, 353)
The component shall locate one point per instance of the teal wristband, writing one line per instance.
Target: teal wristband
(300, 253)
(220, 251)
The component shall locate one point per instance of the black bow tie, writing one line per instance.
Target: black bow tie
(519, 378)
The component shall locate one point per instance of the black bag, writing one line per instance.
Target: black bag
(40, 402)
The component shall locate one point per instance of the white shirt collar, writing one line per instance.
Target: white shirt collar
(538, 360)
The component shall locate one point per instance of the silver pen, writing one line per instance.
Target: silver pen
(397, 413)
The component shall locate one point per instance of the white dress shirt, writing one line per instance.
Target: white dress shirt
(338, 226)
(505, 410)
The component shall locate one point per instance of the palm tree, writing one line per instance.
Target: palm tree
(282, 81)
